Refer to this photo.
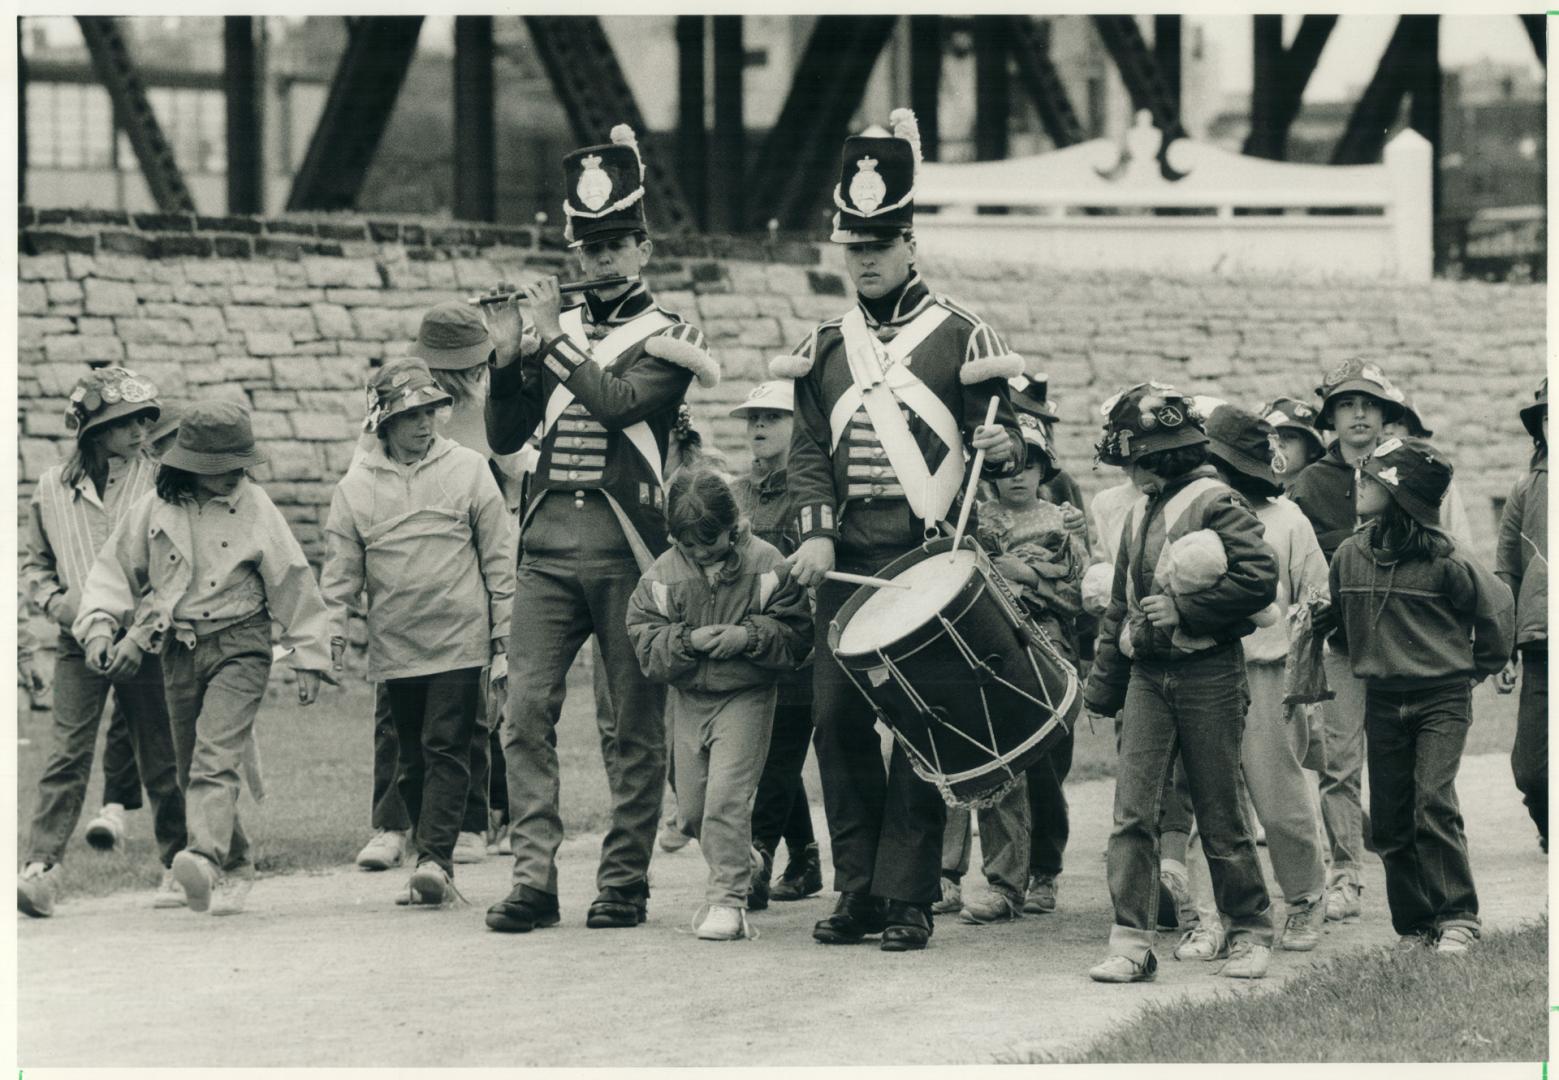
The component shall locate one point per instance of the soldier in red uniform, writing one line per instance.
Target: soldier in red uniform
(890, 401)
(599, 385)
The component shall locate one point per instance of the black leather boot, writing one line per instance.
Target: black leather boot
(855, 916)
(523, 910)
(619, 906)
(803, 876)
(908, 927)
(758, 886)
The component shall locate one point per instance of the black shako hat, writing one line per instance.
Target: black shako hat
(603, 188)
(875, 196)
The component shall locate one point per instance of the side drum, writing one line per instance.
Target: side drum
(971, 688)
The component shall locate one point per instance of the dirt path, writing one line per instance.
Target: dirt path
(325, 971)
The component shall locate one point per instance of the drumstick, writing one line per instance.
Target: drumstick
(571, 287)
(862, 579)
(974, 479)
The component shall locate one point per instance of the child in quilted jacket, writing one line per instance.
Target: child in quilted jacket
(719, 620)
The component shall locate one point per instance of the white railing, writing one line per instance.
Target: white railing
(1098, 205)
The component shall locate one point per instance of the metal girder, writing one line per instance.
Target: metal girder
(476, 156)
(1031, 49)
(692, 138)
(925, 81)
(1123, 40)
(1537, 31)
(1167, 55)
(595, 95)
(116, 71)
(362, 95)
(245, 116)
(1278, 79)
(992, 87)
(728, 148)
(793, 168)
(1365, 135)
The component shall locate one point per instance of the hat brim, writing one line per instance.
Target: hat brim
(462, 358)
(1184, 435)
(1303, 429)
(842, 235)
(1425, 513)
(605, 233)
(118, 411)
(206, 463)
(1532, 418)
(438, 402)
(1243, 463)
(751, 407)
(1393, 410)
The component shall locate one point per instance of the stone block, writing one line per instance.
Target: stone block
(41, 267)
(38, 455)
(266, 343)
(347, 402)
(279, 400)
(338, 456)
(476, 274)
(110, 297)
(62, 349)
(729, 305)
(386, 324)
(298, 372)
(333, 320)
(293, 460)
(343, 373)
(32, 298)
(57, 379)
(270, 425)
(197, 357)
(321, 427)
(171, 331)
(244, 293)
(31, 328)
(297, 322)
(349, 273)
(762, 333)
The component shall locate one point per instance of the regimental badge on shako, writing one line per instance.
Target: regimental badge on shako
(867, 189)
(595, 184)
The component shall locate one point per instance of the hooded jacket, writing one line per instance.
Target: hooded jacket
(1221, 613)
(752, 589)
(432, 543)
(1521, 557)
(1410, 625)
(1324, 491)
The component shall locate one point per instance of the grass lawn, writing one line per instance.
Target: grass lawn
(1373, 1005)
(318, 771)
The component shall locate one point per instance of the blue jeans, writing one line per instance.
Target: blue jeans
(1415, 748)
(1196, 709)
(436, 729)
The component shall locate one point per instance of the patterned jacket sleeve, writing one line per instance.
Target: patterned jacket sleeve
(810, 470)
(779, 632)
(987, 366)
(40, 577)
(1251, 581)
(117, 579)
(620, 400)
(1105, 692)
(660, 639)
(1060, 586)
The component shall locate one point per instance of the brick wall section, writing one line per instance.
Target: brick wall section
(288, 315)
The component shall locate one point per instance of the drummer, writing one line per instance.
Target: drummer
(890, 401)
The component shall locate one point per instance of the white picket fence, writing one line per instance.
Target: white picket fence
(1092, 206)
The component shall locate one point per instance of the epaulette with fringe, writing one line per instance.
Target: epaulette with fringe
(683, 344)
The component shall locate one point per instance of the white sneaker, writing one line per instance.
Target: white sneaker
(952, 898)
(469, 848)
(36, 888)
(1455, 941)
(384, 850)
(1342, 901)
(233, 892)
(106, 831)
(724, 924)
(1203, 943)
(197, 877)
(168, 894)
(1247, 960)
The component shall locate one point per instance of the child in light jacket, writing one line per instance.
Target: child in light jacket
(719, 620)
(1423, 623)
(419, 523)
(217, 562)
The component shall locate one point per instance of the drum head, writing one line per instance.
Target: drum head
(890, 614)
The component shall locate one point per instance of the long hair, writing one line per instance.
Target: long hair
(700, 506)
(464, 385)
(175, 485)
(1404, 538)
(1175, 462)
(87, 458)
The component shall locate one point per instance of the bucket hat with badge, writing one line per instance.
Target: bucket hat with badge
(399, 386)
(1414, 473)
(776, 395)
(1357, 377)
(1145, 419)
(109, 394)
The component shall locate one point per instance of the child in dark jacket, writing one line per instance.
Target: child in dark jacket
(719, 620)
(1191, 698)
(1423, 622)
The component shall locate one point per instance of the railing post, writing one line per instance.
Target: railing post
(1410, 168)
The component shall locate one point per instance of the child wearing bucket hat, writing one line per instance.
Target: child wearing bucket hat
(1275, 744)
(71, 518)
(1169, 697)
(781, 810)
(1521, 561)
(220, 563)
(1423, 623)
(1453, 511)
(419, 525)
(1297, 443)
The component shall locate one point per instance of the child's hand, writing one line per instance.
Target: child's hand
(1160, 611)
(124, 661)
(1073, 519)
(703, 637)
(338, 654)
(731, 641)
(308, 687)
(1015, 569)
(1505, 681)
(97, 654)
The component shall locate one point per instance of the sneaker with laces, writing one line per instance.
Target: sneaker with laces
(37, 887)
(469, 848)
(1123, 969)
(723, 923)
(1202, 943)
(991, 905)
(1040, 899)
(952, 898)
(197, 877)
(1410, 942)
(1247, 960)
(1299, 931)
(1342, 901)
(1455, 941)
(106, 831)
(385, 849)
(430, 886)
(168, 894)
(232, 892)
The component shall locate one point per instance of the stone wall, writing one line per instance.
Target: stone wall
(288, 316)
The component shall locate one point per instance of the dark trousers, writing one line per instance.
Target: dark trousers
(79, 694)
(1049, 825)
(780, 810)
(435, 718)
(885, 825)
(389, 809)
(1529, 755)
(121, 779)
(1415, 740)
